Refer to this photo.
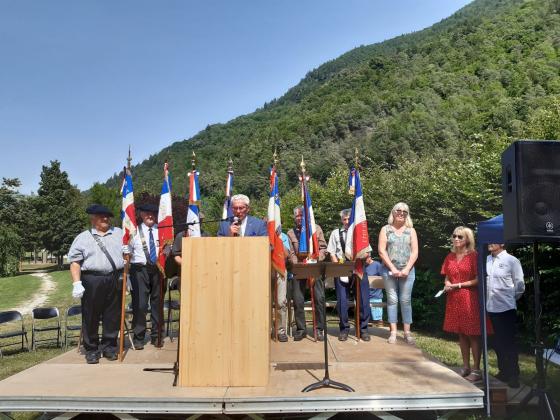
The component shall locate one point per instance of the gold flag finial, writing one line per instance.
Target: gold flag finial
(356, 158)
(302, 165)
(129, 158)
(275, 158)
(230, 165)
(193, 161)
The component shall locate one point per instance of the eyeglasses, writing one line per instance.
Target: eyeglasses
(403, 212)
(460, 237)
(239, 208)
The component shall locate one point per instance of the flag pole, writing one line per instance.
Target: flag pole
(310, 280)
(357, 279)
(125, 276)
(273, 272)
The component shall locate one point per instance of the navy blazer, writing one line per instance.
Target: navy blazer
(255, 227)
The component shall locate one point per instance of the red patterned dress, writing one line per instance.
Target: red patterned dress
(462, 314)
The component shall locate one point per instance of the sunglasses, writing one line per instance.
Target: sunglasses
(401, 212)
(460, 237)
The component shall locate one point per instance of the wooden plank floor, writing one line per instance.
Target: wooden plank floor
(385, 377)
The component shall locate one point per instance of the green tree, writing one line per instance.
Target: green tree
(60, 210)
(10, 236)
(109, 197)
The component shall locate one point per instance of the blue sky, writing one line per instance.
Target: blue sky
(81, 80)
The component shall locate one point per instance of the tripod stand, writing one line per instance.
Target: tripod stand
(175, 368)
(322, 269)
(546, 403)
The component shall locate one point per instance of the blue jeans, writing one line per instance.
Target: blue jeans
(399, 290)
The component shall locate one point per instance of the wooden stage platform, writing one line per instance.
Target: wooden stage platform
(385, 377)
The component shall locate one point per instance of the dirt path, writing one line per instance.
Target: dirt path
(41, 296)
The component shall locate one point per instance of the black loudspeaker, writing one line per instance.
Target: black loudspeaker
(531, 191)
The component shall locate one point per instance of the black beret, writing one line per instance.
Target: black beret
(152, 208)
(99, 209)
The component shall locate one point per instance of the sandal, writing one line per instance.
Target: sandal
(474, 376)
(409, 338)
(392, 339)
(464, 372)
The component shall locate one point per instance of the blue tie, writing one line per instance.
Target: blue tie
(153, 255)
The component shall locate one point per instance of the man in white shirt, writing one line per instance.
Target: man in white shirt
(145, 277)
(505, 285)
(343, 285)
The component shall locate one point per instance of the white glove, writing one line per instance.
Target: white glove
(78, 290)
(126, 249)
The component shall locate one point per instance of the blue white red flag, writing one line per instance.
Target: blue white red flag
(357, 239)
(194, 200)
(165, 217)
(308, 242)
(128, 212)
(227, 212)
(277, 255)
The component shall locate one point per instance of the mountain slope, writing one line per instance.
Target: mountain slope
(482, 72)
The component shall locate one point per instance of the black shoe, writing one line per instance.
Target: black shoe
(298, 336)
(154, 342)
(343, 336)
(513, 383)
(320, 335)
(502, 377)
(110, 355)
(92, 358)
(138, 345)
(282, 337)
(364, 335)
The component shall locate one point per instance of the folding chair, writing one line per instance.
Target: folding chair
(45, 314)
(72, 311)
(171, 305)
(6, 318)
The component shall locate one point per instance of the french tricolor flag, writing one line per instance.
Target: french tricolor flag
(227, 211)
(128, 213)
(308, 242)
(165, 217)
(193, 210)
(357, 238)
(275, 226)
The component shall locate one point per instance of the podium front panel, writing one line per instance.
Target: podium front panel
(225, 312)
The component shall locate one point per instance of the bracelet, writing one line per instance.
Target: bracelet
(460, 285)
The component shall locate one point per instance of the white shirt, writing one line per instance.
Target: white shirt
(504, 282)
(136, 249)
(243, 226)
(335, 247)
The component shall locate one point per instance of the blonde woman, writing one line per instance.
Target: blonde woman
(462, 309)
(398, 249)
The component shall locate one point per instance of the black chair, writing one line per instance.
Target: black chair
(171, 305)
(43, 314)
(72, 312)
(6, 318)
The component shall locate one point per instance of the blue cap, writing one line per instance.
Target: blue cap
(99, 209)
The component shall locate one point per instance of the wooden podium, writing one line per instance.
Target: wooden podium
(225, 312)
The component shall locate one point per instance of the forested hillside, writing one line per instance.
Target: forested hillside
(430, 113)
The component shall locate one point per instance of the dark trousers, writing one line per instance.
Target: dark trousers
(298, 296)
(343, 294)
(101, 302)
(146, 288)
(504, 343)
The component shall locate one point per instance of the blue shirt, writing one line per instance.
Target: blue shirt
(374, 269)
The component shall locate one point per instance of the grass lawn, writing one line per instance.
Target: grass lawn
(14, 291)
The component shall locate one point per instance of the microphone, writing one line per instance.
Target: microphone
(236, 222)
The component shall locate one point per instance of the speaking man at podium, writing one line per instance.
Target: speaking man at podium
(242, 224)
